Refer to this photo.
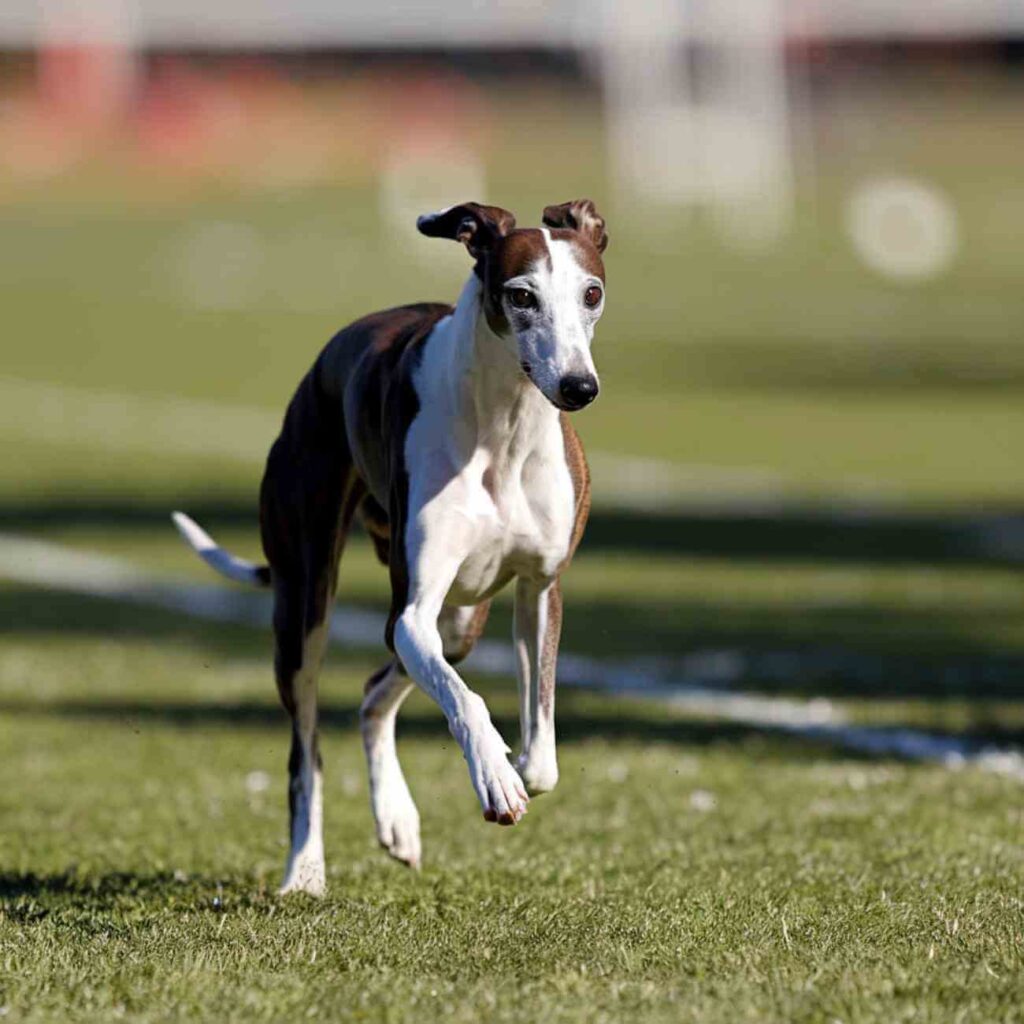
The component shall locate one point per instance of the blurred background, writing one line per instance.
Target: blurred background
(807, 451)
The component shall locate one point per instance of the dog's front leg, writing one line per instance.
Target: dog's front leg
(538, 627)
(418, 643)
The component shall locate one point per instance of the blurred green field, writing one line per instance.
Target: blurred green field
(797, 361)
(841, 459)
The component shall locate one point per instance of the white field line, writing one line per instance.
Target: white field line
(115, 421)
(43, 564)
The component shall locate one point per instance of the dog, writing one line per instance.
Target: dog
(446, 429)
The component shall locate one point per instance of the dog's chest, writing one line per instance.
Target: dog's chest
(504, 515)
(522, 526)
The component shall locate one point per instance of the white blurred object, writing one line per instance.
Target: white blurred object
(902, 228)
(703, 800)
(713, 133)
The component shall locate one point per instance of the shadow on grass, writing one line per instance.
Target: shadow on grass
(805, 534)
(836, 365)
(27, 897)
(826, 535)
(582, 717)
(26, 612)
(848, 651)
(14, 885)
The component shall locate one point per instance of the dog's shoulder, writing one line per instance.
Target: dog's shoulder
(365, 375)
(376, 342)
(368, 365)
(366, 352)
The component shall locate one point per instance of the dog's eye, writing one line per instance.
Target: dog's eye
(522, 298)
(592, 296)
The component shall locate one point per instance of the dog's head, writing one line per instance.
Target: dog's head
(543, 289)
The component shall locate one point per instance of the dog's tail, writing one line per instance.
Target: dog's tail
(237, 569)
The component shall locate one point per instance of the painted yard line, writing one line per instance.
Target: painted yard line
(161, 424)
(39, 563)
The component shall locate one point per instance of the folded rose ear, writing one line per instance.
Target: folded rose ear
(580, 215)
(477, 227)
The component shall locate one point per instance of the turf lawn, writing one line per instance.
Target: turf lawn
(685, 868)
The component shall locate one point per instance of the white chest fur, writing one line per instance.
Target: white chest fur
(490, 494)
(495, 514)
(524, 523)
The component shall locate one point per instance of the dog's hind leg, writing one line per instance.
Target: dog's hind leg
(304, 534)
(298, 656)
(394, 812)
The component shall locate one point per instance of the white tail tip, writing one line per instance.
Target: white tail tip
(193, 533)
(237, 569)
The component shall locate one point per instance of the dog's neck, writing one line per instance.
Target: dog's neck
(495, 402)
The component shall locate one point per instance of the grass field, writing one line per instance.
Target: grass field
(686, 868)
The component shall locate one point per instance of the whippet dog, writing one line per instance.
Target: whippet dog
(446, 429)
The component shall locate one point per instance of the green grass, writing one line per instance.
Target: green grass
(136, 864)
(138, 867)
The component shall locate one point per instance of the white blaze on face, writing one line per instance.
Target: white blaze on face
(554, 336)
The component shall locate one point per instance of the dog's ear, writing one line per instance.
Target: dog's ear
(476, 227)
(580, 215)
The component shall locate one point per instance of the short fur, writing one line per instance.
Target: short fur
(435, 424)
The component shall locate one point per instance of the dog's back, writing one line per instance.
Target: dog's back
(353, 389)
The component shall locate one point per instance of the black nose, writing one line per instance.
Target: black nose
(578, 391)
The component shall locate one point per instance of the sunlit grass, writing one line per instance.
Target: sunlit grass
(683, 870)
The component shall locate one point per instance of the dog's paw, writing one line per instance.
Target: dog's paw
(394, 812)
(304, 875)
(398, 822)
(539, 774)
(498, 786)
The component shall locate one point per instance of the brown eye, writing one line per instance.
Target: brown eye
(592, 296)
(522, 298)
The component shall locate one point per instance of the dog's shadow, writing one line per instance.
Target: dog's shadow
(27, 897)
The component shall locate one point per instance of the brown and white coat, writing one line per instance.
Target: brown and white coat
(445, 429)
